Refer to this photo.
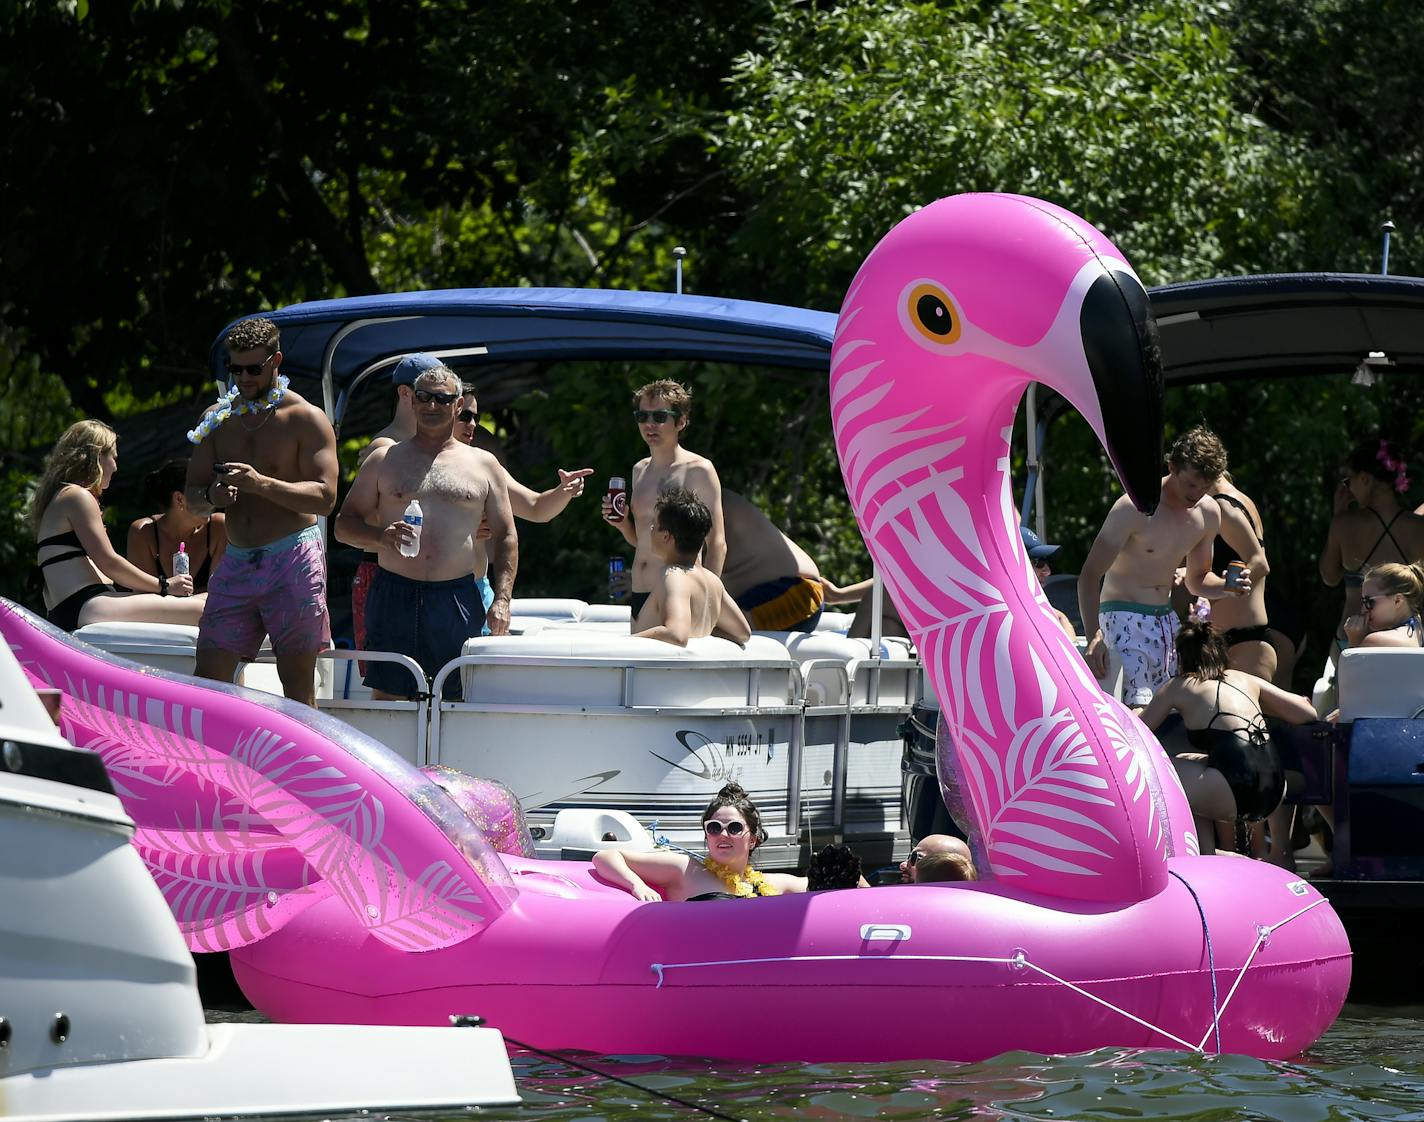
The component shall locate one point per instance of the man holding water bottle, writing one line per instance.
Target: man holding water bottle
(418, 504)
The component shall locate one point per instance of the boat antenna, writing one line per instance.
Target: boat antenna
(466, 1021)
(678, 253)
(1386, 229)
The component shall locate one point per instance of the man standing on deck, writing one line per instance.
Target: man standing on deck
(402, 427)
(267, 459)
(662, 410)
(426, 606)
(1125, 587)
(772, 579)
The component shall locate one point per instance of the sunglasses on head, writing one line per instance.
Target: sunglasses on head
(465, 416)
(424, 396)
(249, 367)
(657, 416)
(715, 828)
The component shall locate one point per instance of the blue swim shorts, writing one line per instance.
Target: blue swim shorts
(427, 620)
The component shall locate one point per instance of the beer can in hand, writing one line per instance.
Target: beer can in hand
(617, 499)
(616, 591)
(1235, 570)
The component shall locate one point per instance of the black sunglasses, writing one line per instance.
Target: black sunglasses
(715, 828)
(657, 416)
(1367, 603)
(424, 396)
(915, 857)
(250, 367)
(465, 416)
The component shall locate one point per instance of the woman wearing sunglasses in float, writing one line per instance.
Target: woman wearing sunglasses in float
(1391, 608)
(732, 827)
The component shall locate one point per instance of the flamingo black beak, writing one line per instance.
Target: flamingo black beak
(1125, 359)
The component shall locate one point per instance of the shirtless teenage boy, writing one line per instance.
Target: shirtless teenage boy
(687, 601)
(662, 410)
(272, 470)
(1135, 557)
(426, 606)
(772, 579)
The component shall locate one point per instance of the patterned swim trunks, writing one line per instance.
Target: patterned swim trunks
(278, 589)
(785, 604)
(1145, 638)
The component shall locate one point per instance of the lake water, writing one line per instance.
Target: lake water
(1370, 1065)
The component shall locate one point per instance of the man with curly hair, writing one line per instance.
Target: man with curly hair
(1125, 586)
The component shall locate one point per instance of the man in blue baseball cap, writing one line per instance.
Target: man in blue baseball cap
(402, 427)
(1039, 552)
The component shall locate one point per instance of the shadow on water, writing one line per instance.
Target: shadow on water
(1370, 1065)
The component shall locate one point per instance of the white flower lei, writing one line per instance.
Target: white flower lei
(228, 404)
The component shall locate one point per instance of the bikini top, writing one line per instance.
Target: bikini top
(200, 578)
(1221, 553)
(1356, 577)
(1254, 727)
(69, 537)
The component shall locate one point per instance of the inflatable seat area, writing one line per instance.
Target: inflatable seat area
(1381, 682)
(565, 666)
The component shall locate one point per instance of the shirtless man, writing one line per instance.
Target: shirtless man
(772, 579)
(1135, 560)
(270, 466)
(938, 846)
(426, 606)
(402, 427)
(662, 410)
(687, 601)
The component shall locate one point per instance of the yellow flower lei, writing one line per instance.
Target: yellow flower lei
(751, 883)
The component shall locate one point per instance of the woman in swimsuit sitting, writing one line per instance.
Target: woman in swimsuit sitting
(1234, 772)
(1391, 608)
(155, 539)
(74, 549)
(1376, 529)
(733, 828)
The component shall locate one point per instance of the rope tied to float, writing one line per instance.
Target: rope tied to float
(1210, 965)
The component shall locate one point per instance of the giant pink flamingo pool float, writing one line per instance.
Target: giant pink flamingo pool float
(348, 886)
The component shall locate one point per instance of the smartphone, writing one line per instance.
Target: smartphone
(221, 469)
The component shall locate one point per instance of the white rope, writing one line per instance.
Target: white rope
(1263, 934)
(1020, 960)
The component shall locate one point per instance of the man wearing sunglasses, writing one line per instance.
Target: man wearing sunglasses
(662, 410)
(934, 847)
(270, 466)
(426, 606)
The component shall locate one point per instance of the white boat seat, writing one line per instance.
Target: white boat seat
(1381, 682)
(823, 685)
(835, 621)
(555, 609)
(565, 667)
(607, 613)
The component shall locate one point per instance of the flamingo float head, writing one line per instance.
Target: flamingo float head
(947, 321)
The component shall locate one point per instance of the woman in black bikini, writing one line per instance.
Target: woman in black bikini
(74, 549)
(1234, 771)
(1242, 620)
(1375, 530)
(154, 540)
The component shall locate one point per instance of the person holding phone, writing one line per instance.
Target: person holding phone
(266, 458)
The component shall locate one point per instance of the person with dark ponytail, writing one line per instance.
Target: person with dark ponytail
(733, 828)
(153, 540)
(1234, 771)
(1375, 529)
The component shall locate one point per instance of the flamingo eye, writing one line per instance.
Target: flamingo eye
(932, 313)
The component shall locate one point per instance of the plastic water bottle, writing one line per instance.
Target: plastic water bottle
(413, 518)
(180, 560)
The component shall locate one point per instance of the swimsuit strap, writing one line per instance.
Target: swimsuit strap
(69, 537)
(1255, 727)
(1239, 505)
(1387, 532)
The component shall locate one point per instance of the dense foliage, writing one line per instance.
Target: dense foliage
(171, 164)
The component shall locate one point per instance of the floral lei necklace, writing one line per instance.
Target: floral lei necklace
(750, 883)
(228, 405)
